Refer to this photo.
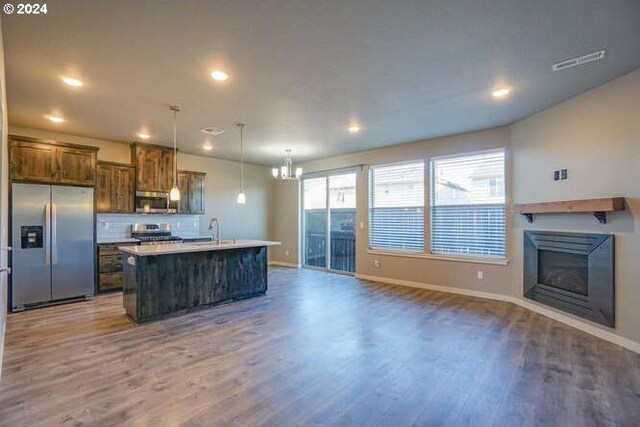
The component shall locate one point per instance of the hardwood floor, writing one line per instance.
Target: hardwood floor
(318, 349)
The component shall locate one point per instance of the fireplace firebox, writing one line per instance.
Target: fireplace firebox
(573, 272)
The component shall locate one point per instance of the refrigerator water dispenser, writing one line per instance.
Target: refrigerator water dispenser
(31, 237)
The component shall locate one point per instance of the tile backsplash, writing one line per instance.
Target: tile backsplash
(119, 225)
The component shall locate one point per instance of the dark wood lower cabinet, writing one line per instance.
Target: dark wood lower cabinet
(110, 267)
(171, 284)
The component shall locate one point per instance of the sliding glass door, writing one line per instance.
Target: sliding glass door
(329, 215)
(315, 222)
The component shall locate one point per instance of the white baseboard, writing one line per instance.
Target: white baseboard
(284, 264)
(448, 289)
(567, 320)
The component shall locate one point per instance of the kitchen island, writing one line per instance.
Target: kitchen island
(166, 280)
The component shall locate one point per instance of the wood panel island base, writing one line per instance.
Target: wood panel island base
(168, 280)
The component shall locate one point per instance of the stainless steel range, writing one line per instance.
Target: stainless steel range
(154, 234)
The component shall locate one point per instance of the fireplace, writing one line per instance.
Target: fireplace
(571, 271)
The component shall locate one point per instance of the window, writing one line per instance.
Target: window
(396, 207)
(468, 205)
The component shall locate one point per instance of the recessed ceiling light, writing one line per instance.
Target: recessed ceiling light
(70, 81)
(219, 76)
(208, 147)
(354, 128)
(55, 119)
(500, 93)
(143, 135)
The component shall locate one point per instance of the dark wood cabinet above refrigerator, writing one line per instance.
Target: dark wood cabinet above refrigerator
(51, 162)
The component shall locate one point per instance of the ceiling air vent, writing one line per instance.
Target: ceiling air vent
(210, 130)
(574, 62)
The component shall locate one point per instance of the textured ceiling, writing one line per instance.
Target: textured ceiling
(302, 70)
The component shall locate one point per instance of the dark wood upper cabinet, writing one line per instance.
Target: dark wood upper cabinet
(154, 167)
(52, 162)
(103, 188)
(115, 188)
(191, 185)
(31, 161)
(76, 166)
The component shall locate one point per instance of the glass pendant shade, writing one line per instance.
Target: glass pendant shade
(174, 194)
(242, 199)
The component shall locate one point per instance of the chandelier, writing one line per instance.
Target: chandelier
(286, 171)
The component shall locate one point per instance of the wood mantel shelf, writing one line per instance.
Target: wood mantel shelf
(599, 207)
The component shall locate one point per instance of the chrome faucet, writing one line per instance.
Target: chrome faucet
(217, 240)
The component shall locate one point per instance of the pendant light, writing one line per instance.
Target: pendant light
(286, 171)
(242, 199)
(174, 194)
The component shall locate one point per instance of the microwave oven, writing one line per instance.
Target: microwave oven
(153, 202)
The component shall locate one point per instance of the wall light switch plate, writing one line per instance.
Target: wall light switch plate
(480, 274)
(376, 263)
(362, 226)
(556, 175)
(563, 174)
(286, 252)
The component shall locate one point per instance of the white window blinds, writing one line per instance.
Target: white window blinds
(468, 205)
(396, 206)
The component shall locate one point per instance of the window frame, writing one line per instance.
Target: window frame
(408, 252)
(426, 252)
(499, 259)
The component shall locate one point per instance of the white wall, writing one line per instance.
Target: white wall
(221, 188)
(596, 137)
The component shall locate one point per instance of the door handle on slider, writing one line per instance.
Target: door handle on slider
(5, 269)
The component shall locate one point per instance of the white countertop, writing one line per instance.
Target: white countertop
(105, 240)
(177, 248)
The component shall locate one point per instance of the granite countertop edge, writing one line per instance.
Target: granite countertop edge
(178, 248)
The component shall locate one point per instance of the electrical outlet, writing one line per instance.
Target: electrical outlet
(556, 175)
(376, 263)
(480, 275)
(286, 252)
(106, 225)
(362, 226)
(563, 174)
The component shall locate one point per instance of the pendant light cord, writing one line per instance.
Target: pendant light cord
(174, 110)
(241, 126)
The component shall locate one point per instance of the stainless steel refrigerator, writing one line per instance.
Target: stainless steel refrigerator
(53, 244)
